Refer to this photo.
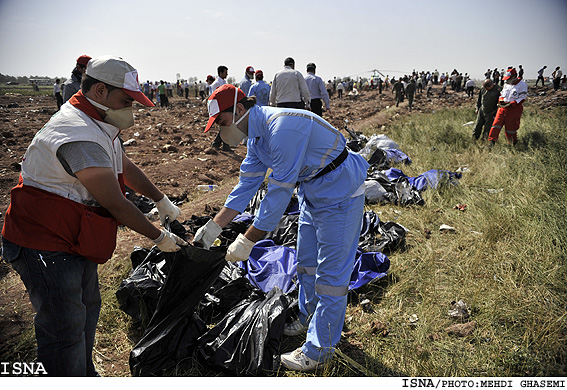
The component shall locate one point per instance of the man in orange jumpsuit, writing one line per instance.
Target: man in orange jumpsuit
(510, 108)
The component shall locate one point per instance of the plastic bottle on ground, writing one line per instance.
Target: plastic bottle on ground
(207, 187)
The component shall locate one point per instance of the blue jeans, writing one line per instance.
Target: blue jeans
(63, 289)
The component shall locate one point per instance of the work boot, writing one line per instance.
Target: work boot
(298, 361)
(225, 147)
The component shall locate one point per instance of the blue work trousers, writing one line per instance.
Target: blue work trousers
(326, 248)
(63, 289)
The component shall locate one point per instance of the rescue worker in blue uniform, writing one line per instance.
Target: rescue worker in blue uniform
(299, 147)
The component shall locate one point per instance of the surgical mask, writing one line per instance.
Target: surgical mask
(232, 135)
(122, 118)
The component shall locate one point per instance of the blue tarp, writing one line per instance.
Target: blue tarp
(270, 266)
(430, 179)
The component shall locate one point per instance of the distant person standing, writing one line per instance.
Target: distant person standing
(469, 87)
(246, 81)
(557, 78)
(222, 72)
(317, 91)
(398, 89)
(162, 91)
(520, 72)
(486, 106)
(72, 85)
(289, 88)
(540, 76)
(510, 108)
(330, 87)
(410, 92)
(57, 93)
(260, 89)
(340, 89)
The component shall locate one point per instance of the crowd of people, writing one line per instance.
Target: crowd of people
(64, 212)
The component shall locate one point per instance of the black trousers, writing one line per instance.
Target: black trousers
(299, 105)
(317, 106)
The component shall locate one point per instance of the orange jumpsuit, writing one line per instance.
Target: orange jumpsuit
(509, 116)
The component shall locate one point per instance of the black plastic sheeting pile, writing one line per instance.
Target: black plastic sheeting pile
(201, 289)
(181, 295)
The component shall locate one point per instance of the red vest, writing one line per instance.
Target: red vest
(41, 220)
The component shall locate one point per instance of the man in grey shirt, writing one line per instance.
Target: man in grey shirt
(72, 86)
(289, 88)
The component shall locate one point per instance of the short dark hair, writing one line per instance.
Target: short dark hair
(289, 61)
(87, 82)
(221, 69)
(247, 102)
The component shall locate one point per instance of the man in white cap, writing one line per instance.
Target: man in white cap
(64, 212)
(331, 198)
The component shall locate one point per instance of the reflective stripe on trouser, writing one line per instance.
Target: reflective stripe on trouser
(326, 247)
(509, 118)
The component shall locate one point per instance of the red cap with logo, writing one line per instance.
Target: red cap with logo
(250, 69)
(510, 72)
(223, 97)
(83, 60)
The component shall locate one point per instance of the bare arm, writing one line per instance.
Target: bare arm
(102, 184)
(138, 181)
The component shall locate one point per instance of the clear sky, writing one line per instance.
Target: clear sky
(162, 38)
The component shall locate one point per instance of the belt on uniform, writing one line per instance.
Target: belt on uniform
(333, 164)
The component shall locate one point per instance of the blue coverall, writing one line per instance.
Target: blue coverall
(296, 144)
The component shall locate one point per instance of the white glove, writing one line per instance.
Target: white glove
(207, 234)
(240, 249)
(167, 209)
(169, 242)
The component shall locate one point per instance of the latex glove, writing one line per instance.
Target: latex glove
(207, 234)
(240, 249)
(167, 209)
(169, 242)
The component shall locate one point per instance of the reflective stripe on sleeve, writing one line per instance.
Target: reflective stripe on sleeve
(252, 174)
(283, 184)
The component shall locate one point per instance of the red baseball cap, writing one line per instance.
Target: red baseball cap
(511, 72)
(210, 77)
(250, 69)
(83, 60)
(259, 72)
(223, 97)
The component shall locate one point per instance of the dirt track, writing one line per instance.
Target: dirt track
(170, 147)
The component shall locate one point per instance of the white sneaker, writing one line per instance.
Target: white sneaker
(294, 328)
(298, 361)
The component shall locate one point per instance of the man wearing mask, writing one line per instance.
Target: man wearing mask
(246, 81)
(331, 199)
(72, 85)
(510, 108)
(64, 212)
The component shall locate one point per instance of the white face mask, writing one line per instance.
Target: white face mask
(122, 118)
(232, 135)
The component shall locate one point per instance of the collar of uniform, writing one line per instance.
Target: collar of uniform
(79, 101)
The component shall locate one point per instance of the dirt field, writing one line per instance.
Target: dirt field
(170, 147)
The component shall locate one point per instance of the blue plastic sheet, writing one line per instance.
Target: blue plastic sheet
(430, 179)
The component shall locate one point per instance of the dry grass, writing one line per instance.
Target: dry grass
(506, 260)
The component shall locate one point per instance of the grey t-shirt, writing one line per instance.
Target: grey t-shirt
(75, 156)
